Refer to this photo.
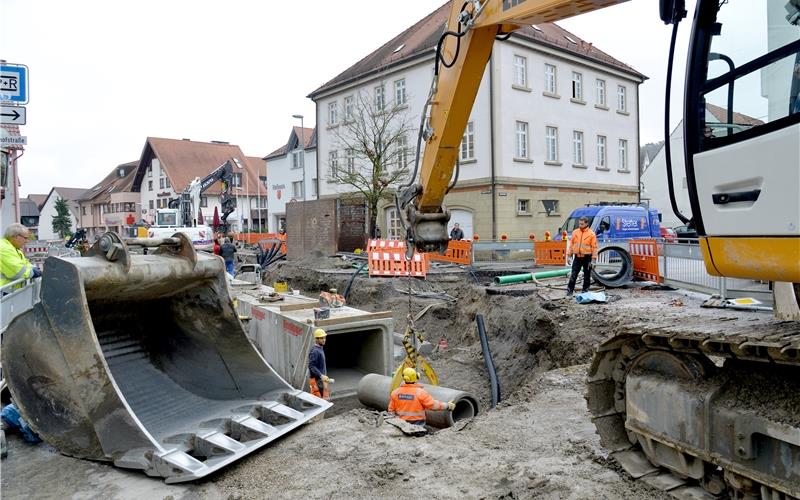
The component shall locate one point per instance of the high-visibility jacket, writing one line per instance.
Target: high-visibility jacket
(583, 242)
(409, 402)
(13, 264)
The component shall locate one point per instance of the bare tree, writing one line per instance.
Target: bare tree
(371, 151)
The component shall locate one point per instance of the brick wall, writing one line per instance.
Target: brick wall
(311, 226)
(352, 219)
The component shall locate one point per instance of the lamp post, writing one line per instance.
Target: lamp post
(303, 157)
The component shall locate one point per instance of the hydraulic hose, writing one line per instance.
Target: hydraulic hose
(487, 358)
(352, 278)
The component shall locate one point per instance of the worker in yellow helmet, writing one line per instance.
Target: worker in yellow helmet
(410, 400)
(318, 372)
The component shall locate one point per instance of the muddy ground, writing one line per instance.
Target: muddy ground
(538, 443)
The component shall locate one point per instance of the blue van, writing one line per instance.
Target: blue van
(615, 222)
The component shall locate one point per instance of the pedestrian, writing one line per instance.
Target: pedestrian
(456, 233)
(227, 251)
(410, 400)
(318, 371)
(583, 245)
(217, 246)
(13, 264)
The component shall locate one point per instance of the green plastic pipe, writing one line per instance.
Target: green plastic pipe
(522, 278)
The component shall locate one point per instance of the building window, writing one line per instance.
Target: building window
(333, 113)
(333, 162)
(149, 185)
(297, 189)
(468, 143)
(150, 171)
(577, 147)
(348, 108)
(602, 155)
(520, 71)
(402, 152)
(83, 210)
(380, 100)
(623, 155)
(203, 201)
(601, 92)
(297, 159)
(394, 226)
(400, 92)
(237, 179)
(522, 140)
(161, 183)
(550, 207)
(167, 183)
(551, 143)
(350, 160)
(314, 187)
(550, 84)
(577, 86)
(150, 204)
(523, 206)
(622, 102)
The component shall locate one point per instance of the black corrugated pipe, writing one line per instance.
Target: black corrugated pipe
(487, 359)
(352, 278)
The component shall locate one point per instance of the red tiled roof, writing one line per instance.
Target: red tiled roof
(721, 114)
(309, 134)
(183, 160)
(112, 183)
(421, 39)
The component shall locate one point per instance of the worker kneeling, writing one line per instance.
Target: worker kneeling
(410, 400)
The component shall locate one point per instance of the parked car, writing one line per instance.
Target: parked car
(668, 234)
(686, 234)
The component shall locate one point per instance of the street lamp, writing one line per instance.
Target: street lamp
(303, 157)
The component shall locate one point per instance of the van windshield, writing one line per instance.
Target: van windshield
(572, 224)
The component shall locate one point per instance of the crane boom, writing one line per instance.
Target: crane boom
(462, 54)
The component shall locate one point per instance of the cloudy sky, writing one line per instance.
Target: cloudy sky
(105, 75)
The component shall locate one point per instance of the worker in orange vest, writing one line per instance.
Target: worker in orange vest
(410, 400)
(583, 245)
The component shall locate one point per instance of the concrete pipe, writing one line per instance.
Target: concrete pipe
(374, 391)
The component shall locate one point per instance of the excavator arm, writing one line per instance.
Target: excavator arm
(190, 198)
(461, 57)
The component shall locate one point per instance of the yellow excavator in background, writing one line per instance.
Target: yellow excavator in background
(697, 413)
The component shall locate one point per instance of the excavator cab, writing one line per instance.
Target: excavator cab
(141, 360)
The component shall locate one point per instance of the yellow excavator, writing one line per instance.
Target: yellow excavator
(701, 414)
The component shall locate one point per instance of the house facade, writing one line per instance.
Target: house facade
(554, 126)
(286, 167)
(48, 211)
(167, 167)
(110, 205)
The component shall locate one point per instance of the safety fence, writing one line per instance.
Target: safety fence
(16, 298)
(550, 253)
(388, 258)
(644, 254)
(458, 252)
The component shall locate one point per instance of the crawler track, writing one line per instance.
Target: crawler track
(718, 360)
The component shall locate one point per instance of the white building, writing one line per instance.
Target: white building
(10, 208)
(48, 211)
(554, 126)
(167, 166)
(286, 174)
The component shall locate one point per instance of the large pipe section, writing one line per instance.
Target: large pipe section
(523, 278)
(374, 391)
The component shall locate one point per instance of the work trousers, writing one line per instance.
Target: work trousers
(578, 263)
(319, 388)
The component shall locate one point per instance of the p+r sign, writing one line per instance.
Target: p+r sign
(13, 83)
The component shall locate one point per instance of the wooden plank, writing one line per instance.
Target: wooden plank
(298, 307)
(349, 319)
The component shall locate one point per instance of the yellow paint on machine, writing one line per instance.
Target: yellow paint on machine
(768, 259)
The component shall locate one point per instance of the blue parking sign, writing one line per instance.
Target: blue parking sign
(13, 83)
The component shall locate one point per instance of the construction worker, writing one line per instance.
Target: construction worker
(318, 372)
(410, 400)
(13, 264)
(583, 245)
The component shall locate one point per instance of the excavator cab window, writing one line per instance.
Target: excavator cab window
(167, 219)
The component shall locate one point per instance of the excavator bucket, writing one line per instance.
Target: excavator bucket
(141, 360)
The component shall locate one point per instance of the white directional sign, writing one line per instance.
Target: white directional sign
(13, 115)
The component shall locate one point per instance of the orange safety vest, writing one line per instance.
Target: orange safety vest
(583, 242)
(409, 402)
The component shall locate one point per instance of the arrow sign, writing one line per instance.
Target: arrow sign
(13, 115)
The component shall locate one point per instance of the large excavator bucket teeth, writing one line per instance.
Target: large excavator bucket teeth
(141, 360)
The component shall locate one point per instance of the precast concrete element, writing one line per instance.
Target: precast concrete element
(141, 360)
(358, 342)
(375, 390)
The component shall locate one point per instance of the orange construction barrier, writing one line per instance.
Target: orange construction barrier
(458, 251)
(265, 239)
(644, 254)
(388, 258)
(550, 253)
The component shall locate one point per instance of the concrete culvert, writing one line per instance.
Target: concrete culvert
(374, 391)
(614, 267)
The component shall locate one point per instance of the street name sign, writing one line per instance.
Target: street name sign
(14, 83)
(13, 115)
(7, 139)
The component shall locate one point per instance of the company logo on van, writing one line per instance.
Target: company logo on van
(628, 224)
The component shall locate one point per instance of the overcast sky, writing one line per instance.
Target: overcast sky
(105, 75)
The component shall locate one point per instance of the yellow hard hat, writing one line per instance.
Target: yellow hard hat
(409, 375)
(319, 333)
